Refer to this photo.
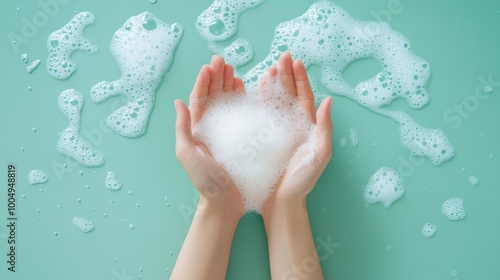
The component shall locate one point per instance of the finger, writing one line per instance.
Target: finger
(217, 77)
(305, 94)
(183, 134)
(228, 82)
(324, 128)
(266, 78)
(239, 86)
(286, 73)
(199, 94)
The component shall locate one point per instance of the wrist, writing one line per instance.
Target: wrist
(279, 211)
(225, 212)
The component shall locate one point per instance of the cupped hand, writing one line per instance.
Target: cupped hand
(300, 178)
(210, 178)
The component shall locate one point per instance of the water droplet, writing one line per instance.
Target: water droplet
(217, 27)
(149, 24)
(33, 129)
(132, 226)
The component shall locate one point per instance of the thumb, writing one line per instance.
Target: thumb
(183, 134)
(324, 128)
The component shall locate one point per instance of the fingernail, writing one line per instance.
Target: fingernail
(176, 105)
(330, 105)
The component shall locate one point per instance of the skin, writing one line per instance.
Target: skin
(205, 252)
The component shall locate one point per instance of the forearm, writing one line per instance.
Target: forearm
(292, 251)
(205, 252)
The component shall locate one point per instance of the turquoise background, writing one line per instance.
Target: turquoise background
(461, 41)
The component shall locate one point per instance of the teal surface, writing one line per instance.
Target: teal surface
(461, 41)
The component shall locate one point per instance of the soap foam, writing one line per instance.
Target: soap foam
(33, 65)
(453, 209)
(327, 36)
(254, 137)
(37, 177)
(473, 180)
(111, 182)
(353, 134)
(428, 230)
(70, 142)
(384, 186)
(63, 42)
(143, 49)
(83, 224)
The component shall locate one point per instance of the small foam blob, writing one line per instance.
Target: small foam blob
(37, 177)
(70, 142)
(453, 209)
(385, 186)
(83, 224)
(488, 89)
(111, 182)
(473, 180)
(24, 57)
(428, 230)
(63, 42)
(342, 142)
(256, 138)
(353, 136)
(144, 49)
(238, 53)
(153, 1)
(33, 65)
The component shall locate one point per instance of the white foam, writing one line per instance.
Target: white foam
(83, 224)
(144, 50)
(385, 186)
(33, 65)
(238, 53)
(254, 137)
(37, 177)
(111, 182)
(453, 209)
(342, 142)
(70, 142)
(473, 180)
(353, 134)
(24, 57)
(428, 230)
(63, 42)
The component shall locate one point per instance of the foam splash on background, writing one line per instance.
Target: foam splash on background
(63, 42)
(453, 209)
(144, 49)
(83, 224)
(70, 142)
(429, 230)
(385, 186)
(37, 177)
(254, 136)
(111, 182)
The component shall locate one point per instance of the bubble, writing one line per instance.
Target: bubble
(143, 48)
(153, 1)
(24, 57)
(385, 186)
(83, 224)
(70, 142)
(353, 136)
(33, 65)
(256, 138)
(428, 230)
(453, 209)
(131, 226)
(63, 42)
(37, 177)
(473, 180)
(488, 89)
(111, 182)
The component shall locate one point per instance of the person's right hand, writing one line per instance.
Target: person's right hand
(210, 178)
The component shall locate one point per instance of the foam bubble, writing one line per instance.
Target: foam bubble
(70, 142)
(353, 136)
(63, 42)
(24, 57)
(33, 65)
(238, 53)
(143, 49)
(473, 180)
(342, 142)
(37, 177)
(384, 186)
(254, 137)
(111, 182)
(83, 224)
(429, 230)
(453, 209)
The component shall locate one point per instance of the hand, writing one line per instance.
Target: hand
(300, 178)
(212, 181)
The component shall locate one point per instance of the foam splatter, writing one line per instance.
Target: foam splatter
(428, 230)
(111, 182)
(384, 186)
(144, 50)
(70, 142)
(37, 177)
(83, 224)
(24, 57)
(254, 137)
(353, 134)
(33, 65)
(63, 42)
(453, 209)
(473, 180)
